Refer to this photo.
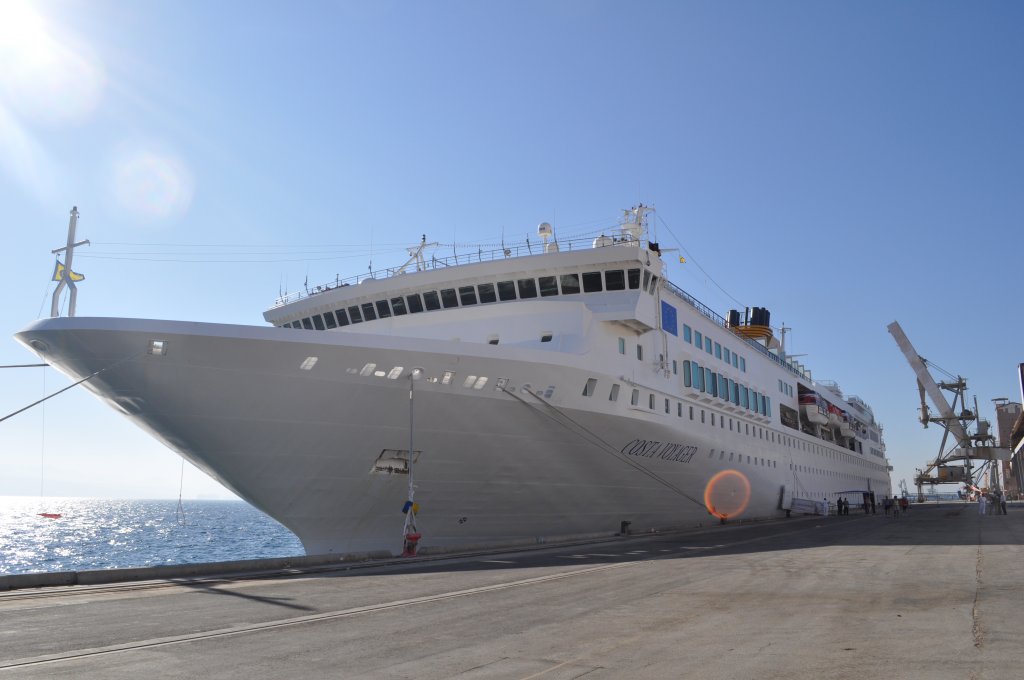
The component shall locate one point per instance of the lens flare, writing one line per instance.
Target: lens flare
(727, 494)
(152, 184)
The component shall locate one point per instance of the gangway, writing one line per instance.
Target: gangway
(956, 465)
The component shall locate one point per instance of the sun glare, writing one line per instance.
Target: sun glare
(45, 76)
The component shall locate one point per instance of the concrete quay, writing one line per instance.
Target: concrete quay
(933, 594)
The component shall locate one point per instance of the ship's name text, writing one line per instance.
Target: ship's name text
(645, 448)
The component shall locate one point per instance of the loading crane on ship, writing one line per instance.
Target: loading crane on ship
(955, 465)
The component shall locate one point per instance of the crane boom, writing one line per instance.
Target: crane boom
(929, 385)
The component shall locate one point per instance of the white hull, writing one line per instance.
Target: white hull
(495, 467)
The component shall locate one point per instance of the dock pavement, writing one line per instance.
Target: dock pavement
(934, 594)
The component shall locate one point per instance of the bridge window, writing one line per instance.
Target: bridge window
(383, 309)
(449, 299)
(614, 280)
(354, 314)
(318, 322)
(415, 303)
(431, 300)
(506, 290)
(368, 313)
(527, 288)
(307, 324)
(398, 306)
(486, 292)
(467, 295)
(548, 286)
(570, 284)
(592, 282)
(634, 278)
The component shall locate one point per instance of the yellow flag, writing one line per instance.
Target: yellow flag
(682, 260)
(58, 273)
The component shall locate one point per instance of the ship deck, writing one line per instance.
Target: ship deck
(933, 594)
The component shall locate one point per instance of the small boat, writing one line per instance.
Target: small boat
(51, 515)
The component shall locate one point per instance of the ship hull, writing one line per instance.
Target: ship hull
(524, 462)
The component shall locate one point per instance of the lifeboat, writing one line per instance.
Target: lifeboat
(814, 408)
(845, 427)
(835, 415)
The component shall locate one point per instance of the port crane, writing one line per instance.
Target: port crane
(953, 466)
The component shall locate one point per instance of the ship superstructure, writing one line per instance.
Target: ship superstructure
(561, 389)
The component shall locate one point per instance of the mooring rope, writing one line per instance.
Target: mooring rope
(601, 444)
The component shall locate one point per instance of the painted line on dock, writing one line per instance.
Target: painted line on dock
(299, 620)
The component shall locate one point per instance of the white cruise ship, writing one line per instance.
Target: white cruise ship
(555, 391)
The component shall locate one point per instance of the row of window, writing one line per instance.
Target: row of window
(703, 379)
(785, 388)
(714, 348)
(484, 293)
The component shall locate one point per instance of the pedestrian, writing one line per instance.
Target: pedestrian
(895, 509)
(846, 506)
(904, 503)
(1002, 502)
(886, 505)
(981, 503)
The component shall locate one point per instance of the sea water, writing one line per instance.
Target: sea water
(108, 534)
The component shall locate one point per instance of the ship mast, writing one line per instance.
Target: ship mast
(64, 274)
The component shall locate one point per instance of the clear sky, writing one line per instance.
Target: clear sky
(844, 164)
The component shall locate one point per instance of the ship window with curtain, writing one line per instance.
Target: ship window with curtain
(679, 409)
(633, 275)
(329, 320)
(647, 279)
(698, 340)
(702, 415)
(718, 351)
(691, 413)
(743, 396)
(398, 306)
(527, 288)
(614, 279)
(735, 389)
(654, 284)
(415, 303)
(723, 387)
(634, 400)
(667, 406)
(570, 284)
(467, 295)
(486, 293)
(725, 354)
(709, 380)
(640, 352)
(622, 345)
(614, 394)
(431, 300)
(318, 322)
(675, 367)
(548, 286)
(650, 401)
(383, 309)
(743, 364)
(592, 282)
(368, 313)
(307, 323)
(735, 360)
(687, 333)
(707, 344)
(687, 381)
(354, 314)
(448, 298)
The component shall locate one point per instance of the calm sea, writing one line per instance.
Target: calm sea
(107, 534)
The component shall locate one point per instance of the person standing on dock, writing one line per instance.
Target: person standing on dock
(1002, 501)
(981, 503)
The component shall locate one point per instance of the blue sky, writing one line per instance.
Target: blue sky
(844, 164)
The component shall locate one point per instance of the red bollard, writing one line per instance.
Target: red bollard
(411, 541)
